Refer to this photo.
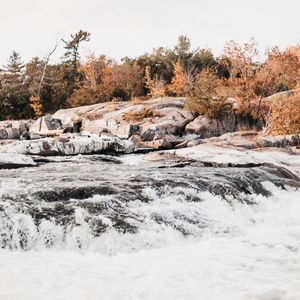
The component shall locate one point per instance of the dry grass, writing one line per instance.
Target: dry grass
(137, 100)
(94, 116)
(138, 116)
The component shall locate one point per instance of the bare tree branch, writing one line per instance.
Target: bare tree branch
(45, 67)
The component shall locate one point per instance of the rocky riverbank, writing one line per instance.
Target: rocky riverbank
(126, 127)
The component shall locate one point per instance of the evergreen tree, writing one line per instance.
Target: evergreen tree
(14, 96)
(71, 55)
(69, 71)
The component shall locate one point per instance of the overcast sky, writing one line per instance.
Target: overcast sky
(131, 27)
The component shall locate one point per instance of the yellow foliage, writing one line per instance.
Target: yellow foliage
(35, 103)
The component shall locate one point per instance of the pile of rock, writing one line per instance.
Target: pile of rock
(168, 124)
(14, 130)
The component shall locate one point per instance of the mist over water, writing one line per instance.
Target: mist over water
(88, 229)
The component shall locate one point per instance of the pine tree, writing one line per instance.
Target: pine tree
(14, 93)
(71, 55)
(14, 70)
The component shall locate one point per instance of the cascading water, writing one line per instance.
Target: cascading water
(88, 229)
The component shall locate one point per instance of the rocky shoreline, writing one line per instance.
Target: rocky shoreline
(124, 127)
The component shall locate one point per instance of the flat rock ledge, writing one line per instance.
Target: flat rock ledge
(13, 161)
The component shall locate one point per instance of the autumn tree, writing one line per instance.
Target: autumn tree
(280, 71)
(241, 61)
(123, 81)
(206, 97)
(156, 86)
(179, 85)
(90, 88)
(284, 116)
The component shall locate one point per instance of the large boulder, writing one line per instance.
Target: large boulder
(281, 141)
(208, 127)
(13, 130)
(47, 125)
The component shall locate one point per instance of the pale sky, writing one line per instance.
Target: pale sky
(129, 28)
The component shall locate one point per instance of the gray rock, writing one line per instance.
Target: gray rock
(282, 141)
(71, 146)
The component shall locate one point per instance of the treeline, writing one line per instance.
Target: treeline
(37, 87)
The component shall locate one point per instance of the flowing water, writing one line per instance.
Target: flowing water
(100, 228)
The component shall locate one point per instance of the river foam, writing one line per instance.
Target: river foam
(231, 251)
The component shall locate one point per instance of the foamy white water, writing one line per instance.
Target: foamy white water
(242, 252)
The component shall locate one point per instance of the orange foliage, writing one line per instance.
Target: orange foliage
(156, 86)
(241, 60)
(123, 81)
(284, 117)
(179, 84)
(35, 103)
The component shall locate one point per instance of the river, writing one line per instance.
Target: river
(96, 227)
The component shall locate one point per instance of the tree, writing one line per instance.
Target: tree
(90, 88)
(206, 97)
(284, 116)
(14, 70)
(14, 94)
(241, 61)
(183, 49)
(280, 71)
(72, 47)
(123, 81)
(36, 105)
(69, 72)
(160, 62)
(179, 84)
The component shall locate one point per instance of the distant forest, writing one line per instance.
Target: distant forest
(29, 90)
